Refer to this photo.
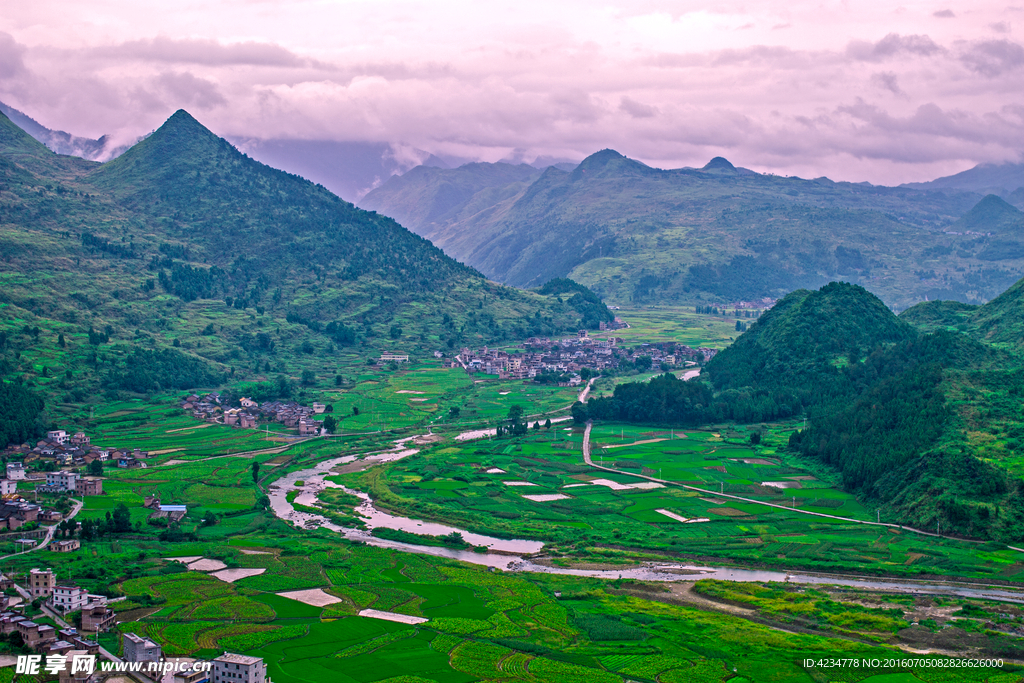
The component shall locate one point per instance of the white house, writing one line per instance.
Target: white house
(232, 668)
(62, 480)
(69, 598)
(58, 435)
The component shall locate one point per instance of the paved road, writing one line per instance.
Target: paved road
(716, 494)
(586, 391)
(50, 531)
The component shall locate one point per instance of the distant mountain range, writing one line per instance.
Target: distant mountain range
(633, 233)
(349, 169)
(719, 233)
(1003, 180)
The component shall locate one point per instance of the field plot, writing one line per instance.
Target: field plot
(675, 324)
(425, 392)
(543, 491)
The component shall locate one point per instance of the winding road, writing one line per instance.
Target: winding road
(50, 531)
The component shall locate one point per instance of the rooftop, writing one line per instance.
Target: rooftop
(232, 658)
(139, 640)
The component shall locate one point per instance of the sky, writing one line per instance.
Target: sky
(860, 91)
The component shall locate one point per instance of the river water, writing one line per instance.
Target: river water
(508, 554)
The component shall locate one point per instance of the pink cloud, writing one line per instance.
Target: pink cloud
(851, 92)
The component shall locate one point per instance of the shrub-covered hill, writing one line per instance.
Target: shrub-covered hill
(802, 343)
(925, 425)
(186, 247)
(805, 351)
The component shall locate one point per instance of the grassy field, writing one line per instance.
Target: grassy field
(604, 516)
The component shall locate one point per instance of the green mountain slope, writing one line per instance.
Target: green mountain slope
(924, 425)
(992, 213)
(187, 249)
(805, 340)
(927, 426)
(720, 233)
(999, 322)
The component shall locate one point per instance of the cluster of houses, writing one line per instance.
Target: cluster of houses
(765, 304)
(291, 414)
(227, 668)
(63, 599)
(69, 450)
(570, 355)
(251, 413)
(15, 511)
(65, 450)
(64, 481)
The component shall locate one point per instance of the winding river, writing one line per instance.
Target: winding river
(508, 554)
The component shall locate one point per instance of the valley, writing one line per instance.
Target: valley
(331, 446)
(618, 591)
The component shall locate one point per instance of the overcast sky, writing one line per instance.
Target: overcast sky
(853, 90)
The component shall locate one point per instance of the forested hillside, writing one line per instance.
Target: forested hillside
(999, 322)
(637, 234)
(220, 269)
(924, 424)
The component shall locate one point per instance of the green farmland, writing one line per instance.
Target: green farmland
(618, 519)
(494, 625)
(485, 625)
(480, 625)
(676, 324)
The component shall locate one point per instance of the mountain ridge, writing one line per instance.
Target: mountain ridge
(60, 142)
(633, 233)
(1000, 179)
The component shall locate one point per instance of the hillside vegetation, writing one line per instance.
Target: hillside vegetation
(183, 263)
(633, 233)
(923, 423)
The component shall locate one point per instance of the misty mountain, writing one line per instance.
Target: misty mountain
(348, 169)
(1003, 180)
(635, 233)
(60, 142)
(431, 201)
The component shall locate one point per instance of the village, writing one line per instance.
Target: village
(59, 645)
(37, 609)
(570, 356)
(213, 408)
